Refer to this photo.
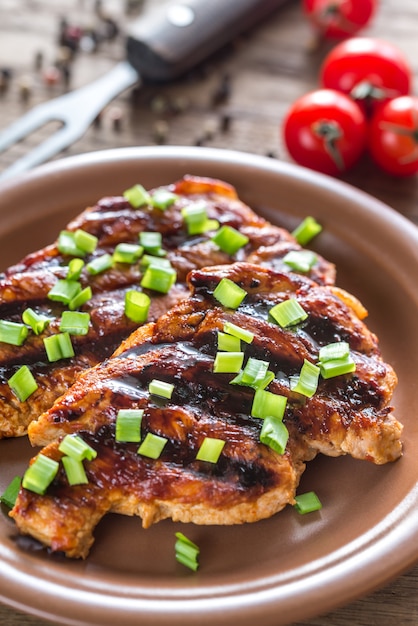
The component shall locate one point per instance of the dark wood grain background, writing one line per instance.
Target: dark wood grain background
(236, 101)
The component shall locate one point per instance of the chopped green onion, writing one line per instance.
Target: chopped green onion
(58, 347)
(187, 552)
(75, 447)
(75, 267)
(35, 320)
(337, 367)
(13, 333)
(268, 404)
(307, 230)
(229, 240)
(163, 198)
(155, 261)
(307, 381)
(210, 450)
(75, 322)
(22, 383)
(228, 343)
(228, 362)
(74, 470)
(159, 279)
(100, 264)
(81, 298)
(337, 350)
(229, 294)
(40, 474)
(152, 446)
(64, 291)
(196, 217)
(161, 388)
(254, 374)
(288, 313)
(9, 496)
(128, 425)
(85, 241)
(137, 305)
(237, 331)
(307, 503)
(151, 241)
(274, 434)
(137, 196)
(300, 260)
(127, 253)
(66, 244)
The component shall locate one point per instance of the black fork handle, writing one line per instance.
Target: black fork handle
(168, 43)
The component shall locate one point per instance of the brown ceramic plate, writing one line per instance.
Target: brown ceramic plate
(276, 571)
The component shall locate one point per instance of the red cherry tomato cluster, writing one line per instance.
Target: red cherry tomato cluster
(364, 103)
(339, 18)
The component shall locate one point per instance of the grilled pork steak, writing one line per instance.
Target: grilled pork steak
(348, 414)
(114, 220)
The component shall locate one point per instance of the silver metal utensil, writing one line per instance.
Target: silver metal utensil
(160, 46)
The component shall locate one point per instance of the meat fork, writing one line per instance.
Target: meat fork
(160, 46)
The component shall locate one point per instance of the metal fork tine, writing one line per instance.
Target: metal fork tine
(31, 121)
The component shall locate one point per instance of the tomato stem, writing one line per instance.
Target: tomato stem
(330, 131)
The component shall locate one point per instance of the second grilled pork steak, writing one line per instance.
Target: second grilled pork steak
(113, 221)
(348, 414)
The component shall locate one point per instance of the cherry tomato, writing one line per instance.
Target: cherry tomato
(370, 70)
(326, 131)
(393, 136)
(339, 18)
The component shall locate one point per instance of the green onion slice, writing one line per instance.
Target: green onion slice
(237, 331)
(128, 425)
(229, 240)
(155, 261)
(161, 388)
(274, 434)
(127, 253)
(58, 347)
(137, 196)
(307, 381)
(75, 267)
(22, 383)
(85, 241)
(307, 230)
(268, 404)
(75, 447)
(64, 291)
(75, 322)
(228, 362)
(74, 470)
(137, 306)
(337, 367)
(300, 260)
(9, 496)
(159, 279)
(151, 241)
(196, 217)
(307, 503)
(13, 333)
(66, 244)
(288, 313)
(152, 446)
(229, 294)
(187, 552)
(80, 298)
(40, 474)
(255, 374)
(210, 450)
(337, 350)
(228, 343)
(163, 198)
(36, 321)
(100, 264)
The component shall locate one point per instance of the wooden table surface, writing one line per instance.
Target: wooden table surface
(237, 101)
